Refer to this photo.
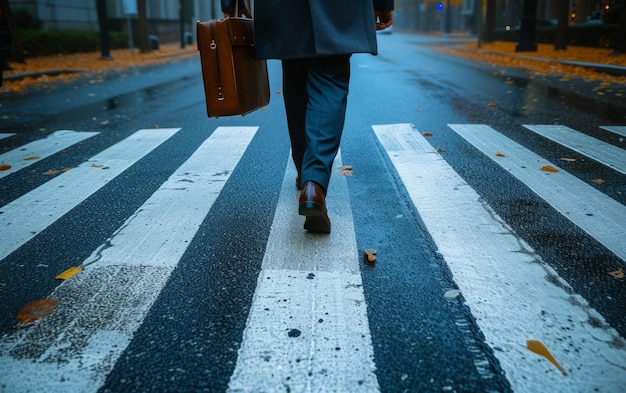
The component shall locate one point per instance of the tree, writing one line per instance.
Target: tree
(17, 53)
(620, 40)
(528, 29)
(490, 21)
(560, 41)
(101, 8)
(142, 22)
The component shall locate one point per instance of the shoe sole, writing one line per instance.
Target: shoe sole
(317, 224)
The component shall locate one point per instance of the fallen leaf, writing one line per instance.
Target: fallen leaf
(369, 256)
(617, 274)
(540, 349)
(548, 168)
(346, 170)
(598, 181)
(568, 159)
(6, 117)
(440, 150)
(104, 123)
(509, 81)
(277, 91)
(31, 158)
(36, 309)
(452, 293)
(56, 171)
(96, 166)
(427, 134)
(500, 154)
(491, 105)
(69, 273)
(4, 167)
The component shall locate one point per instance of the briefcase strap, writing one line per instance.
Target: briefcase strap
(216, 64)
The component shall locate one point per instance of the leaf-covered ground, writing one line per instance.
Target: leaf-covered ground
(503, 54)
(66, 68)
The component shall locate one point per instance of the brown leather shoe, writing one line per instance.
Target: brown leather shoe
(312, 204)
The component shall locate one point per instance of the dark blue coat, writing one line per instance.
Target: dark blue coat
(289, 29)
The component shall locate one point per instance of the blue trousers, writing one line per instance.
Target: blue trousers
(315, 91)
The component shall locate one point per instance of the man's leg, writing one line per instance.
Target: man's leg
(327, 88)
(295, 95)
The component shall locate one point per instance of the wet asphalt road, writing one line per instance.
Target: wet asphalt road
(421, 341)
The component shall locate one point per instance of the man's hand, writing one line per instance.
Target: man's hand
(384, 19)
(242, 11)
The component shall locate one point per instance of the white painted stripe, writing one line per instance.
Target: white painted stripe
(310, 283)
(28, 215)
(594, 212)
(6, 135)
(604, 153)
(73, 349)
(35, 151)
(513, 294)
(619, 130)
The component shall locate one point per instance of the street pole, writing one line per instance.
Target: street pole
(448, 18)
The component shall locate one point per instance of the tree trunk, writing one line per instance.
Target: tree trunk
(490, 21)
(17, 53)
(101, 8)
(560, 41)
(142, 33)
(528, 29)
(620, 41)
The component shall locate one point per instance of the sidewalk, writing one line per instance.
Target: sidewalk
(589, 64)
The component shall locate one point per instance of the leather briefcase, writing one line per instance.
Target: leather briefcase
(235, 81)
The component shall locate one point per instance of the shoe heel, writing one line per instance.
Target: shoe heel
(309, 208)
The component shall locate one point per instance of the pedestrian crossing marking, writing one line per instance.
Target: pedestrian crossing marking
(318, 276)
(513, 295)
(41, 149)
(602, 152)
(99, 309)
(4, 135)
(620, 130)
(28, 215)
(594, 212)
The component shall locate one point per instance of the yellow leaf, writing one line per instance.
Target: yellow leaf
(346, 170)
(31, 158)
(69, 273)
(5, 167)
(56, 171)
(540, 349)
(617, 274)
(369, 256)
(598, 181)
(96, 166)
(548, 168)
(427, 134)
(498, 154)
(36, 309)
(491, 105)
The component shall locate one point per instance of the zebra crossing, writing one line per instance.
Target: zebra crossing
(309, 286)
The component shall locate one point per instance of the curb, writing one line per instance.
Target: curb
(599, 67)
(36, 74)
